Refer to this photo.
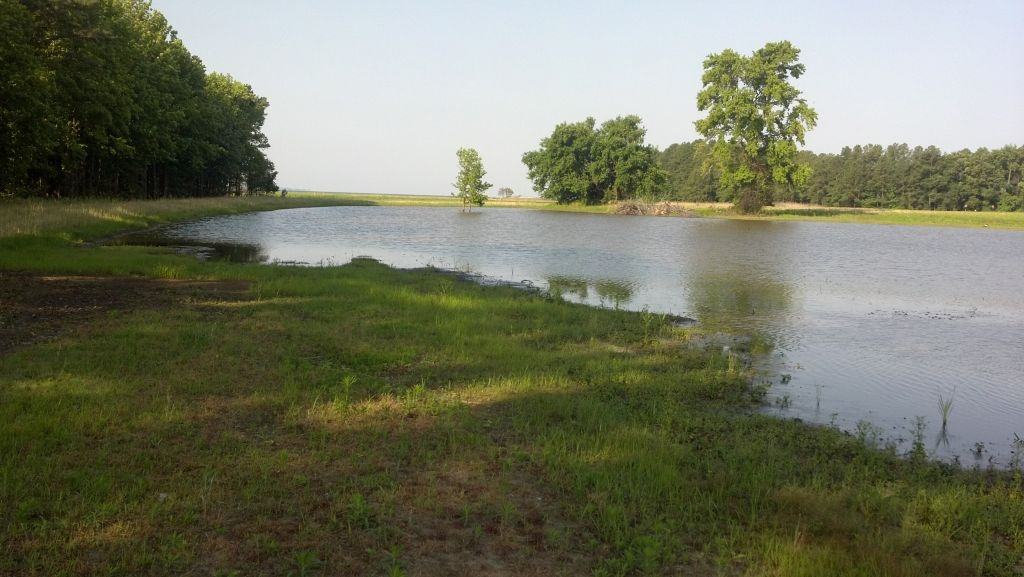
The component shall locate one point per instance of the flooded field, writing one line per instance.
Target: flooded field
(875, 328)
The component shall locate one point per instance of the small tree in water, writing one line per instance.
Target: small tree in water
(755, 120)
(470, 185)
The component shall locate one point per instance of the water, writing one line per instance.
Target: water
(871, 323)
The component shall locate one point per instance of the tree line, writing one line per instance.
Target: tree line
(756, 119)
(755, 123)
(871, 176)
(102, 98)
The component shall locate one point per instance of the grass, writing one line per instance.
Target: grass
(369, 421)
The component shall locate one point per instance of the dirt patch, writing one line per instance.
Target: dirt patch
(36, 308)
(475, 520)
(642, 208)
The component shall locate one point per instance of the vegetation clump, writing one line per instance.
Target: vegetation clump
(470, 187)
(582, 163)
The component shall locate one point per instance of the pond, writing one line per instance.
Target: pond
(871, 324)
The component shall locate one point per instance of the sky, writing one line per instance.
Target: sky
(376, 96)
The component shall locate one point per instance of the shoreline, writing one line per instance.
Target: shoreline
(783, 211)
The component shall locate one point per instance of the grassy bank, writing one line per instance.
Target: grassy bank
(93, 218)
(963, 219)
(437, 200)
(783, 211)
(360, 420)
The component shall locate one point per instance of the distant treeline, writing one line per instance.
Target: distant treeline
(894, 176)
(102, 98)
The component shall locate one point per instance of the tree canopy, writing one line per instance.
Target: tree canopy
(755, 120)
(579, 162)
(102, 98)
(470, 186)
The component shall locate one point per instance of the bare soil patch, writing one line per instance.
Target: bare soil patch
(36, 308)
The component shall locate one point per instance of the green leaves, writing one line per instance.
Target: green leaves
(470, 185)
(579, 163)
(101, 98)
(755, 118)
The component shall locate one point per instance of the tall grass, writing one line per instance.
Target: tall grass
(76, 219)
(946, 407)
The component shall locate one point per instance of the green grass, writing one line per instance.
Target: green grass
(368, 421)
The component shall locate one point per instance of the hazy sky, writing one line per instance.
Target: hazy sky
(376, 96)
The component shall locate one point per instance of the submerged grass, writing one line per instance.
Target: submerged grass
(946, 407)
(368, 421)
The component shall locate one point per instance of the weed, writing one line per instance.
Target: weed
(346, 389)
(306, 563)
(1017, 452)
(917, 449)
(393, 564)
(359, 514)
(869, 433)
(652, 324)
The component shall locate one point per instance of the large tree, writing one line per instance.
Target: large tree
(581, 163)
(624, 167)
(755, 120)
(470, 186)
(561, 168)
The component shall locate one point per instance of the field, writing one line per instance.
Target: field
(164, 416)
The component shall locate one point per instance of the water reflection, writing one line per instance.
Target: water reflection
(611, 293)
(575, 287)
(614, 293)
(731, 301)
(229, 251)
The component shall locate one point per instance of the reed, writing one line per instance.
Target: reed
(946, 407)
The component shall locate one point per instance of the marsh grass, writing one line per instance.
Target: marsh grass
(946, 407)
(363, 420)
